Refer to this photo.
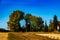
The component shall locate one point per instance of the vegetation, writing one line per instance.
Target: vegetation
(13, 23)
(55, 21)
(46, 27)
(32, 23)
(3, 30)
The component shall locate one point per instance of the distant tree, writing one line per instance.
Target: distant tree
(46, 27)
(14, 19)
(55, 22)
(51, 26)
(4, 30)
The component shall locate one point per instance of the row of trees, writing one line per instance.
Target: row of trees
(33, 23)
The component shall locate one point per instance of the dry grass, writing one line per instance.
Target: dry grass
(26, 36)
(3, 36)
(23, 36)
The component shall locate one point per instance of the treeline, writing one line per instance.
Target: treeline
(4, 30)
(32, 23)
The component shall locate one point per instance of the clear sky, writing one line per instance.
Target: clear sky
(43, 8)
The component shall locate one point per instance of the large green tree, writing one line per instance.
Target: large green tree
(33, 23)
(14, 20)
(36, 23)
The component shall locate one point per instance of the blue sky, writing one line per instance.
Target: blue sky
(43, 8)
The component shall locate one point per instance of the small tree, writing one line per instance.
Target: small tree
(51, 26)
(46, 27)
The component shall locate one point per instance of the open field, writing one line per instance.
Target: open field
(29, 36)
(3, 36)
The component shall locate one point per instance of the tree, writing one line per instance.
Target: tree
(27, 19)
(46, 27)
(51, 26)
(55, 22)
(4, 30)
(23, 28)
(14, 19)
(33, 23)
(36, 23)
(40, 23)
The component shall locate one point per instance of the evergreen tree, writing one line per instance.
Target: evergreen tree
(51, 26)
(55, 22)
(46, 27)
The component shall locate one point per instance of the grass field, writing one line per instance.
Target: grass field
(24, 36)
(27, 36)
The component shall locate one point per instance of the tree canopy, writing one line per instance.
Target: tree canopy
(55, 22)
(15, 17)
(32, 23)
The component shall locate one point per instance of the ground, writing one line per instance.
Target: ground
(26, 36)
(3, 36)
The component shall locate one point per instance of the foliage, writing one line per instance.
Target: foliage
(4, 30)
(46, 27)
(51, 26)
(36, 23)
(23, 28)
(55, 22)
(27, 19)
(33, 23)
(15, 17)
